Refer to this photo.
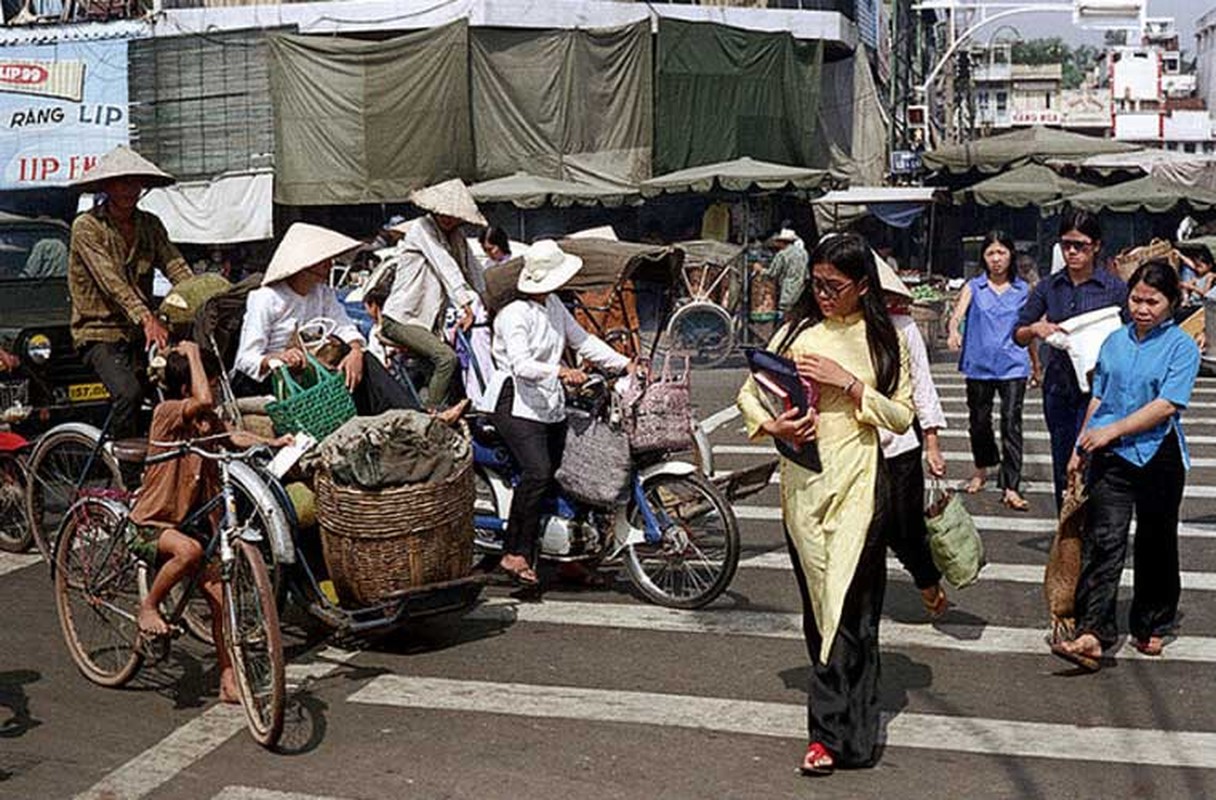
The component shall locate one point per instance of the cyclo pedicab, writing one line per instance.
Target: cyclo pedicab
(78, 503)
(673, 527)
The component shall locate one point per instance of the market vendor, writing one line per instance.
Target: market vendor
(788, 268)
(436, 269)
(115, 248)
(295, 292)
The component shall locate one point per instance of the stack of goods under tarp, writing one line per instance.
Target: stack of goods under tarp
(395, 504)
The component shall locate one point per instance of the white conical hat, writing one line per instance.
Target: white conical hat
(303, 246)
(889, 279)
(123, 162)
(451, 199)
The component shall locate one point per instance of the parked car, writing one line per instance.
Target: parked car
(50, 383)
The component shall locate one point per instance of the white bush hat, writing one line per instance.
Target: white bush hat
(888, 278)
(786, 235)
(123, 162)
(303, 246)
(450, 199)
(546, 268)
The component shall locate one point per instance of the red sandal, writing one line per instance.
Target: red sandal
(817, 761)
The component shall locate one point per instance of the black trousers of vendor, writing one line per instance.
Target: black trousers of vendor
(984, 451)
(1154, 493)
(842, 695)
(537, 448)
(906, 533)
(376, 393)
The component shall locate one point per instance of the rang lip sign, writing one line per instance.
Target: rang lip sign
(63, 79)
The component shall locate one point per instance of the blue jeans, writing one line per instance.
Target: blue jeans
(1064, 414)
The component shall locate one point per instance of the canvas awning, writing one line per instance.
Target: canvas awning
(1018, 147)
(870, 195)
(737, 175)
(1150, 193)
(533, 191)
(1141, 161)
(1030, 184)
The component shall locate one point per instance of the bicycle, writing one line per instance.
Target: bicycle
(99, 584)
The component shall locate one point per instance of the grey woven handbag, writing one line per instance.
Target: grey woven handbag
(595, 461)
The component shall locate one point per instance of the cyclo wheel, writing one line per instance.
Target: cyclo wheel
(704, 330)
(97, 592)
(55, 468)
(696, 558)
(251, 635)
(15, 536)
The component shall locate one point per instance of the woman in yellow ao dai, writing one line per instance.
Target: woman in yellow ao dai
(840, 336)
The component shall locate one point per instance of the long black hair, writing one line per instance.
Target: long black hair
(851, 255)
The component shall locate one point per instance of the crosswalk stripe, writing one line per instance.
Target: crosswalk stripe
(253, 793)
(986, 524)
(788, 721)
(1010, 573)
(1032, 422)
(11, 562)
(959, 386)
(950, 455)
(1194, 404)
(982, 638)
(191, 742)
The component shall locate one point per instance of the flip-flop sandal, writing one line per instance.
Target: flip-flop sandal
(520, 577)
(817, 761)
(1015, 503)
(937, 606)
(1152, 646)
(1085, 662)
(975, 486)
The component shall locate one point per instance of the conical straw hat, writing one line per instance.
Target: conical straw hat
(303, 246)
(451, 199)
(123, 162)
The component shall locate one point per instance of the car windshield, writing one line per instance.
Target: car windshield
(33, 251)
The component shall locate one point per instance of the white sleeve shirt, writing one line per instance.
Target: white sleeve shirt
(924, 394)
(274, 313)
(529, 341)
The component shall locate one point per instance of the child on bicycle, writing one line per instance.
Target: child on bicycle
(173, 489)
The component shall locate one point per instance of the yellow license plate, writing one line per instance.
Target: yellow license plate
(86, 392)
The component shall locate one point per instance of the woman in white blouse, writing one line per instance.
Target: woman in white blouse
(294, 292)
(527, 392)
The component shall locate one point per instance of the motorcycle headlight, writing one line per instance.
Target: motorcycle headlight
(38, 348)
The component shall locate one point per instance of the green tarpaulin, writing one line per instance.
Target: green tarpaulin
(1028, 185)
(1151, 193)
(359, 121)
(568, 104)
(533, 191)
(1022, 146)
(724, 92)
(738, 175)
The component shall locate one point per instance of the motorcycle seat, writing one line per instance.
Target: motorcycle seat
(483, 430)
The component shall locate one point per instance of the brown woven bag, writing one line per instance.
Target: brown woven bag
(1064, 561)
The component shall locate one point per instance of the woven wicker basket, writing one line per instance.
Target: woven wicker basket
(379, 542)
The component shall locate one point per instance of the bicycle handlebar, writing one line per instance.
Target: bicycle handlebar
(179, 449)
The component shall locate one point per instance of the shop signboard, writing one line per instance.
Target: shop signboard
(1035, 116)
(61, 106)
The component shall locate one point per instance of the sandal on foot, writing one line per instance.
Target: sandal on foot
(1015, 502)
(1084, 661)
(817, 761)
(1152, 646)
(975, 485)
(525, 576)
(935, 604)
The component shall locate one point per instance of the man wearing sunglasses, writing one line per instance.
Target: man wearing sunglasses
(1080, 287)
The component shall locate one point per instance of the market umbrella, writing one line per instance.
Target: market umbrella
(1151, 193)
(738, 175)
(1028, 185)
(524, 190)
(1018, 147)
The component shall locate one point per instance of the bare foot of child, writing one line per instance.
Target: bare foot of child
(228, 689)
(449, 416)
(150, 622)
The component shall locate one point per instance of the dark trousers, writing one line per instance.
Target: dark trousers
(120, 366)
(842, 694)
(906, 534)
(376, 393)
(983, 443)
(537, 448)
(1064, 414)
(1154, 493)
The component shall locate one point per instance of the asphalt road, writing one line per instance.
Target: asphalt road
(596, 694)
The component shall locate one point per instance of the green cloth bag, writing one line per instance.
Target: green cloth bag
(954, 541)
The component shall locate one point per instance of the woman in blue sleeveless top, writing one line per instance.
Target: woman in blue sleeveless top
(994, 365)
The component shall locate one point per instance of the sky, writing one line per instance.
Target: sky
(1185, 12)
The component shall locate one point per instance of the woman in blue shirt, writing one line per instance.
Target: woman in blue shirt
(994, 365)
(1133, 437)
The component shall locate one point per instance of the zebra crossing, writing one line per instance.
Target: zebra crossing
(975, 695)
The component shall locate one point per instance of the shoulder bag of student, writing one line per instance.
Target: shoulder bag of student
(954, 541)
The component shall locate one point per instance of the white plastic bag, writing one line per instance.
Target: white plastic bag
(1084, 335)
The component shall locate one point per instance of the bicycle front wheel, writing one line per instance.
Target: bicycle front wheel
(97, 592)
(15, 534)
(698, 549)
(66, 465)
(253, 640)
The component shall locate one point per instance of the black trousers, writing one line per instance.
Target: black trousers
(376, 393)
(906, 534)
(1154, 493)
(120, 365)
(1064, 414)
(842, 694)
(983, 442)
(537, 448)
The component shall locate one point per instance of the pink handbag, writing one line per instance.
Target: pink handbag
(658, 414)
